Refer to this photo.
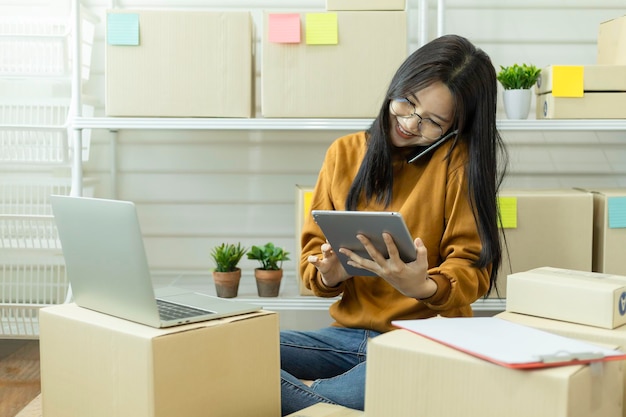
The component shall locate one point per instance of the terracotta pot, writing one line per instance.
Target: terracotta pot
(227, 283)
(268, 282)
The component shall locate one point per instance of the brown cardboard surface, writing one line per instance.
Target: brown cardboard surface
(365, 5)
(348, 79)
(409, 375)
(609, 252)
(591, 106)
(596, 78)
(97, 365)
(614, 337)
(187, 64)
(581, 297)
(326, 410)
(554, 227)
(612, 42)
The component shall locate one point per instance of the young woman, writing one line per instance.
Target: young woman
(432, 154)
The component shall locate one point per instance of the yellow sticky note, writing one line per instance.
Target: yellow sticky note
(568, 80)
(308, 196)
(507, 206)
(321, 29)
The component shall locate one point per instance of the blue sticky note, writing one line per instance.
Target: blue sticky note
(617, 212)
(123, 29)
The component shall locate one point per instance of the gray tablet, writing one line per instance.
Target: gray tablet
(341, 228)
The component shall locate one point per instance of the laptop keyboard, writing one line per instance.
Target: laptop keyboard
(170, 311)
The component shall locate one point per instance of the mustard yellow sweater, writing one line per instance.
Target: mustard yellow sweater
(432, 196)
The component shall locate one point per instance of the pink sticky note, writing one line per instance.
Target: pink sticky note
(284, 28)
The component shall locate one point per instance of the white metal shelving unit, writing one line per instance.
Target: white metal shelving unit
(36, 70)
(115, 123)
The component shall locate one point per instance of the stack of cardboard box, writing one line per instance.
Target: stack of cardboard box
(336, 63)
(409, 374)
(576, 304)
(588, 91)
(419, 376)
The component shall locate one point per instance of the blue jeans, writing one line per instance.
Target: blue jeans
(333, 357)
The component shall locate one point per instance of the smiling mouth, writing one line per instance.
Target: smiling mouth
(403, 131)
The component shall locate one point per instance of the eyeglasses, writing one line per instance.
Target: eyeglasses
(402, 107)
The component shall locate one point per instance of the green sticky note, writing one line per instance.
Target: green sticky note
(617, 212)
(321, 29)
(568, 80)
(123, 29)
(507, 207)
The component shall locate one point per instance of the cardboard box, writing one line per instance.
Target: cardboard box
(452, 383)
(612, 42)
(179, 64)
(576, 296)
(365, 5)
(326, 410)
(545, 227)
(614, 337)
(344, 79)
(590, 106)
(101, 366)
(564, 80)
(304, 194)
(609, 231)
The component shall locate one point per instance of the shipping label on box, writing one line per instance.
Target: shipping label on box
(318, 64)
(581, 297)
(97, 365)
(365, 5)
(545, 227)
(592, 105)
(179, 64)
(612, 42)
(612, 337)
(401, 364)
(574, 80)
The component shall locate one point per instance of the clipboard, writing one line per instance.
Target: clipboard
(509, 344)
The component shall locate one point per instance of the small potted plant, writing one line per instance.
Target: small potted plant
(269, 275)
(517, 81)
(226, 274)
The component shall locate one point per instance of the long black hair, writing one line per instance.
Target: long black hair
(470, 76)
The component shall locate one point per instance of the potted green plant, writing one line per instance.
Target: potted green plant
(517, 81)
(227, 274)
(269, 275)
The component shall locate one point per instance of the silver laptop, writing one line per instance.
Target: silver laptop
(108, 269)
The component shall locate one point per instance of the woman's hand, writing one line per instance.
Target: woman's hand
(411, 279)
(329, 266)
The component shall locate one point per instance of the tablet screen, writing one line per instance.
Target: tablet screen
(341, 227)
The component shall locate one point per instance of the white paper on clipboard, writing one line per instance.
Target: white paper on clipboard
(509, 344)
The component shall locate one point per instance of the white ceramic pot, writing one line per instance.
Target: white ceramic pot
(517, 103)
